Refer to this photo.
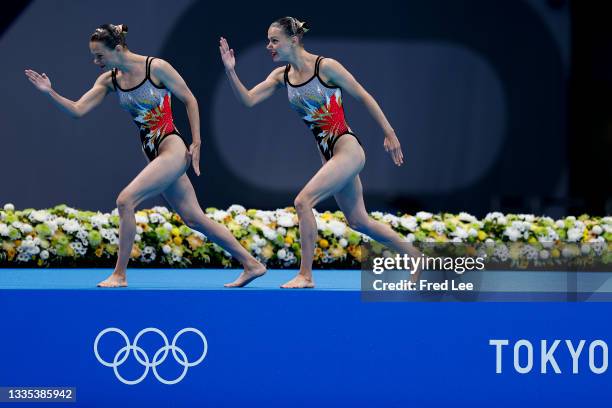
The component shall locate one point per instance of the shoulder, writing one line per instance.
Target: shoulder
(105, 79)
(160, 66)
(278, 74)
(330, 66)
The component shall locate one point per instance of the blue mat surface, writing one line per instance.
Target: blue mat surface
(168, 279)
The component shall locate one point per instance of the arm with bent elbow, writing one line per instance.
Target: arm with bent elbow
(76, 109)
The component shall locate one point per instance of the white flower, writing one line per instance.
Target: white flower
(141, 218)
(512, 233)
(460, 233)
(286, 220)
(574, 234)
(219, 215)
(281, 254)
(559, 224)
(155, 218)
(9, 207)
(39, 216)
(472, 232)
(269, 233)
(496, 217)
(44, 255)
(391, 219)
(4, 230)
(137, 238)
(23, 257)
(281, 231)
(71, 226)
(168, 226)
(439, 227)
(585, 249)
(544, 254)
(423, 215)
(161, 209)
(139, 229)
(409, 223)
(242, 220)
(238, 209)
(457, 240)
(570, 218)
(568, 252)
(410, 237)
(343, 242)
(465, 217)
(489, 242)
(115, 212)
(166, 249)
(338, 228)
(176, 257)
(597, 230)
(376, 214)
(148, 254)
(501, 252)
(527, 217)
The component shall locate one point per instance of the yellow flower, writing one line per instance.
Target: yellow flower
(267, 251)
(288, 240)
(99, 251)
(532, 240)
(555, 253)
(327, 216)
(323, 243)
(135, 252)
(194, 241)
(176, 232)
(482, 235)
(177, 240)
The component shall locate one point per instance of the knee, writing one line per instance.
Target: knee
(125, 202)
(302, 203)
(358, 223)
(190, 221)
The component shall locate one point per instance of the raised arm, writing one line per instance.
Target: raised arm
(86, 103)
(334, 73)
(260, 92)
(172, 80)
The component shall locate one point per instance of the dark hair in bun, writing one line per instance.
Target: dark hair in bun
(110, 35)
(291, 26)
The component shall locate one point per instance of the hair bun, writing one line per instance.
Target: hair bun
(305, 26)
(123, 28)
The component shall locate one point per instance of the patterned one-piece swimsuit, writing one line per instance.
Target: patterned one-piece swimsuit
(151, 110)
(320, 107)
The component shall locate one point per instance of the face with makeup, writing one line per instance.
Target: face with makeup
(280, 45)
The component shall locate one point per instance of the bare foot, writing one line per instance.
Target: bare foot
(300, 281)
(247, 276)
(116, 280)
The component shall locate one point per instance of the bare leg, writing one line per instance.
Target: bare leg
(183, 200)
(152, 180)
(347, 162)
(350, 201)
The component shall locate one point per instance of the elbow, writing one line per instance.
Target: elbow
(248, 101)
(76, 112)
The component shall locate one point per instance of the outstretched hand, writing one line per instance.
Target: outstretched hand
(194, 152)
(41, 82)
(393, 147)
(227, 54)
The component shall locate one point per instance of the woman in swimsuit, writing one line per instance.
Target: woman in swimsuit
(315, 86)
(144, 86)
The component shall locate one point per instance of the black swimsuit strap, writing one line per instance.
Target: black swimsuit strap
(148, 65)
(114, 77)
(317, 63)
(287, 68)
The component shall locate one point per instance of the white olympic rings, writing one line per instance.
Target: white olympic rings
(142, 357)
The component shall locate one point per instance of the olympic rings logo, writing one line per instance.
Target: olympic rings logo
(143, 358)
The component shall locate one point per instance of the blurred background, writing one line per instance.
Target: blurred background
(500, 106)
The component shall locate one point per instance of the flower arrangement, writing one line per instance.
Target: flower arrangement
(63, 236)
